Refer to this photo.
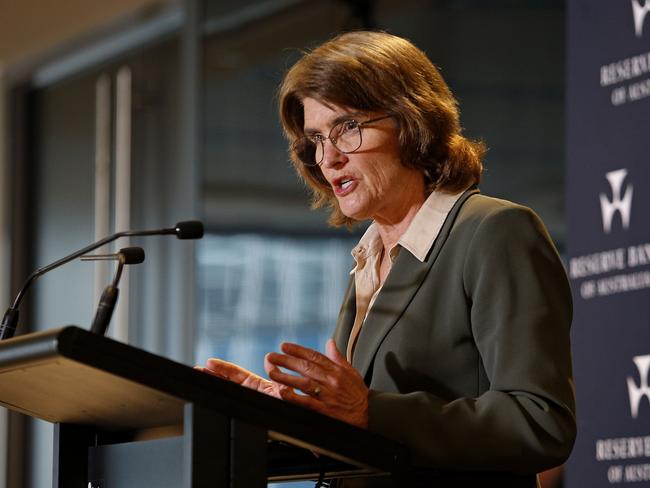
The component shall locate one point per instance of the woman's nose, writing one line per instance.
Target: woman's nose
(332, 156)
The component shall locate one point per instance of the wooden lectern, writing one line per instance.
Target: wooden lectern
(127, 418)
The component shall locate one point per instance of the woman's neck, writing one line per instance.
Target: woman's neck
(391, 226)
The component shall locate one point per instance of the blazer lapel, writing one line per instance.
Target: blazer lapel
(346, 318)
(402, 282)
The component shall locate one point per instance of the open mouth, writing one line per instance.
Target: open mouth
(344, 185)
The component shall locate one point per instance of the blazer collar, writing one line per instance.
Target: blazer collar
(402, 282)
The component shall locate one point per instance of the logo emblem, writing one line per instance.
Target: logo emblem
(621, 205)
(639, 12)
(636, 393)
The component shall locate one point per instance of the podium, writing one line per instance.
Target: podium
(128, 418)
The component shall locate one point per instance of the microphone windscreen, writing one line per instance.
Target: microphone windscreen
(190, 229)
(132, 255)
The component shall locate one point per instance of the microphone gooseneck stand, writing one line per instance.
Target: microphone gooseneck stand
(191, 229)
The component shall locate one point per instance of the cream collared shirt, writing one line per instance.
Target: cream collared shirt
(418, 239)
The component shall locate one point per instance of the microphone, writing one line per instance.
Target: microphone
(125, 256)
(190, 229)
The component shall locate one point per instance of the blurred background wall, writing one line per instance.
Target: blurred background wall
(141, 113)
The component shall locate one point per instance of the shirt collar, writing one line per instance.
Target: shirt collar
(369, 245)
(426, 225)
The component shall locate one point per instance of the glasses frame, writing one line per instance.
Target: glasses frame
(360, 125)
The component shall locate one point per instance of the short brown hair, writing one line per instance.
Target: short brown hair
(379, 72)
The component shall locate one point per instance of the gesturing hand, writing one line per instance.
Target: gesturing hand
(332, 386)
(237, 374)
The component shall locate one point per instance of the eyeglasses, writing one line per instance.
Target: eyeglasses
(344, 136)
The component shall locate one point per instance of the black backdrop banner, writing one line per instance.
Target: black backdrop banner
(608, 206)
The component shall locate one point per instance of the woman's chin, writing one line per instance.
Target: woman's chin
(354, 213)
(356, 206)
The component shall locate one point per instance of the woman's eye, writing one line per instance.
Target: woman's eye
(348, 125)
(315, 138)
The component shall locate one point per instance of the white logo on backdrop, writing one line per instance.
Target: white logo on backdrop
(639, 12)
(617, 204)
(636, 393)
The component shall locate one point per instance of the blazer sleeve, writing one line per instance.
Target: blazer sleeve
(520, 309)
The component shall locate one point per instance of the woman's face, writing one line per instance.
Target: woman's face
(370, 183)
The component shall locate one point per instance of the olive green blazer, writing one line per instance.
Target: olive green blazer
(467, 354)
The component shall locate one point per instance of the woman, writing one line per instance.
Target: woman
(453, 337)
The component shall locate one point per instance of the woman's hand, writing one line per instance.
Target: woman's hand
(237, 374)
(332, 386)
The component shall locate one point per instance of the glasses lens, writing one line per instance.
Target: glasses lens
(306, 150)
(346, 136)
(319, 151)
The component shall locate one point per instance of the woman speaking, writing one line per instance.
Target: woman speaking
(453, 336)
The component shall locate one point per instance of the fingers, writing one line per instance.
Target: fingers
(231, 372)
(228, 371)
(302, 360)
(300, 366)
(334, 354)
(304, 353)
(268, 365)
(306, 385)
(304, 400)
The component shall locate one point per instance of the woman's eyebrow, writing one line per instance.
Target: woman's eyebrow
(346, 116)
(310, 132)
(336, 120)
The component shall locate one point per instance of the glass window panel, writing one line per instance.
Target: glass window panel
(259, 290)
